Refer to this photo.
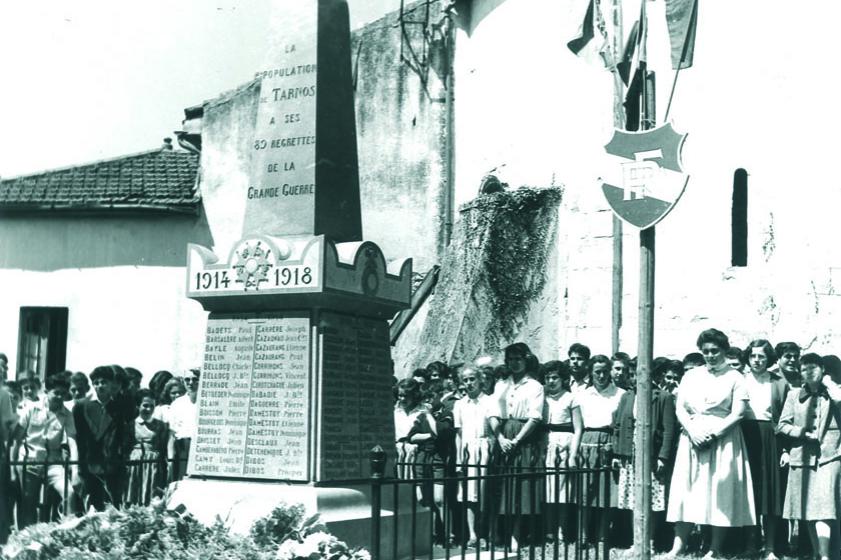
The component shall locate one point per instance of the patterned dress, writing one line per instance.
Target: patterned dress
(147, 477)
(626, 493)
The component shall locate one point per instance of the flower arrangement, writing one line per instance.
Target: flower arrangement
(142, 532)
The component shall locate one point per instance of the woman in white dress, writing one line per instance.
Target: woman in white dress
(711, 482)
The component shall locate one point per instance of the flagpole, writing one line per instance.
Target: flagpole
(618, 122)
(689, 28)
(645, 349)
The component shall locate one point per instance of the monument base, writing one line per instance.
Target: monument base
(346, 511)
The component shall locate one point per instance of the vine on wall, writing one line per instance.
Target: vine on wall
(492, 272)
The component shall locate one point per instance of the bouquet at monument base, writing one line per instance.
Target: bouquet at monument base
(155, 532)
(317, 546)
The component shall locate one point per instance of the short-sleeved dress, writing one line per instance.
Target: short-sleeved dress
(558, 417)
(598, 409)
(147, 477)
(713, 485)
(519, 402)
(404, 424)
(472, 417)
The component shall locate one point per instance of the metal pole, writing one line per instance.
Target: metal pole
(377, 458)
(618, 122)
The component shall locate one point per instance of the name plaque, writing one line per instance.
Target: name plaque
(253, 401)
(356, 401)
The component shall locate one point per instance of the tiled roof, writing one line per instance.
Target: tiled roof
(155, 180)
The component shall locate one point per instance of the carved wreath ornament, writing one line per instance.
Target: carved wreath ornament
(252, 266)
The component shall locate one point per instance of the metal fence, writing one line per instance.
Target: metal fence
(423, 510)
(552, 512)
(43, 490)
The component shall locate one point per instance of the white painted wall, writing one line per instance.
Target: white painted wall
(127, 315)
(761, 96)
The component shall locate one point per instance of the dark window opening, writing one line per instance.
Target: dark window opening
(739, 219)
(42, 340)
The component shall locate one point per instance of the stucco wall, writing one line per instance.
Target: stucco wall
(122, 279)
(527, 107)
(402, 139)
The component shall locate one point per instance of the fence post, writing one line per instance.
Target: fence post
(377, 458)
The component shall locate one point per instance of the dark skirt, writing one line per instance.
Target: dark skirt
(598, 489)
(764, 458)
(429, 465)
(523, 493)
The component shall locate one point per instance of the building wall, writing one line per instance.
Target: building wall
(755, 99)
(122, 279)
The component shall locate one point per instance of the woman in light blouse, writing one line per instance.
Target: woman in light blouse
(520, 398)
(711, 482)
(598, 404)
(767, 392)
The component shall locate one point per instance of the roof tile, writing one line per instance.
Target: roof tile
(156, 179)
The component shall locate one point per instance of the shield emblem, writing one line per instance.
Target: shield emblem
(643, 178)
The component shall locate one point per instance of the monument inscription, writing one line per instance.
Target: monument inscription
(304, 167)
(356, 410)
(283, 159)
(253, 400)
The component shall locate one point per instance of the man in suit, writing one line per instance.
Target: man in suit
(104, 438)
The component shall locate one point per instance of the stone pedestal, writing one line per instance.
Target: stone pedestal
(346, 511)
(296, 383)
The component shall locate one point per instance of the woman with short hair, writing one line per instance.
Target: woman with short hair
(767, 392)
(711, 483)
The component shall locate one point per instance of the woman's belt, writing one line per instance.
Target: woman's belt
(604, 430)
(567, 427)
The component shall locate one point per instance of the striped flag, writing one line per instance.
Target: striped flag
(682, 18)
(591, 41)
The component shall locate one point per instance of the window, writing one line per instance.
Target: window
(739, 219)
(42, 340)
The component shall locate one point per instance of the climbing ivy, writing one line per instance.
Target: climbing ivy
(518, 232)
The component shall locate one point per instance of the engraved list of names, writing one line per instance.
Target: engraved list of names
(253, 399)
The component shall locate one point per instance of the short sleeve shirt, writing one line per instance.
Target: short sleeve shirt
(598, 407)
(759, 396)
(520, 400)
(558, 409)
(471, 415)
(45, 431)
(708, 393)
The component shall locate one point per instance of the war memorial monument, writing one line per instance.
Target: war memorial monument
(296, 380)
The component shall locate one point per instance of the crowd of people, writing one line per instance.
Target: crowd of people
(741, 438)
(745, 448)
(84, 441)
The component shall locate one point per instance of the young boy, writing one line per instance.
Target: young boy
(79, 387)
(476, 418)
(44, 429)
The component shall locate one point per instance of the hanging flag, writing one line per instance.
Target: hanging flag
(591, 38)
(627, 62)
(682, 18)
